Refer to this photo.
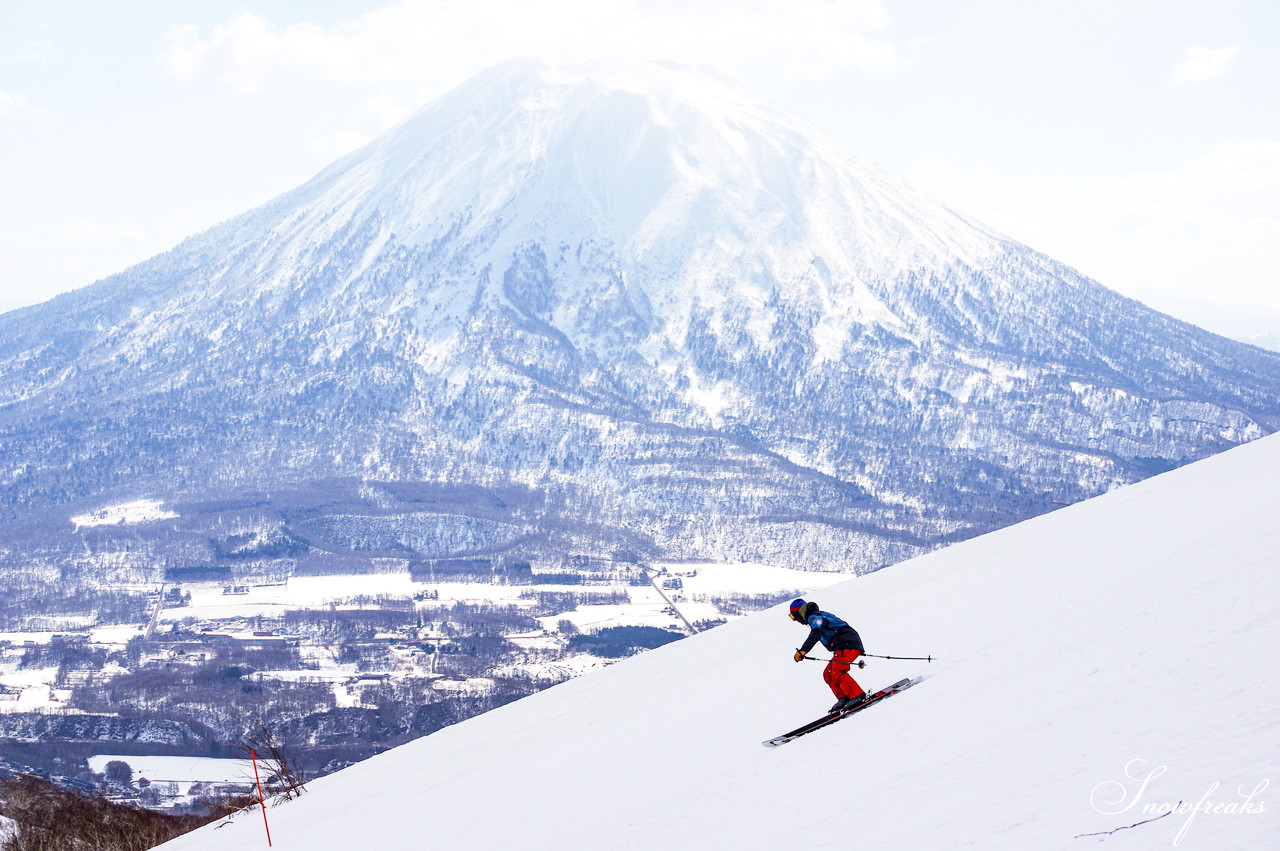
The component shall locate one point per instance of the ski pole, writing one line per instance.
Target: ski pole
(862, 664)
(911, 658)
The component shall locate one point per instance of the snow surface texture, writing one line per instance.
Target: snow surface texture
(1134, 632)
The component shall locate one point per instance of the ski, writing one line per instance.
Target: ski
(833, 717)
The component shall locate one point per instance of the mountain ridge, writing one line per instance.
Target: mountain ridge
(692, 323)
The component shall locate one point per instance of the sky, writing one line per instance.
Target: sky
(1136, 140)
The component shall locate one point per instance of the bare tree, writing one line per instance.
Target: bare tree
(284, 777)
(46, 818)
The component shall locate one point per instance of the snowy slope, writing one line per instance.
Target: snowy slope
(1141, 625)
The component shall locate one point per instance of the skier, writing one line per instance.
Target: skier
(845, 646)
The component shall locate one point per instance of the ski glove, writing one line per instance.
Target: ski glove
(799, 657)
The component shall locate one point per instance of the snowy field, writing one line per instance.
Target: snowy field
(137, 511)
(183, 770)
(746, 578)
(181, 778)
(32, 689)
(209, 602)
(1106, 677)
(28, 689)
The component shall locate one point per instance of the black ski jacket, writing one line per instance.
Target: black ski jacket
(834, 634)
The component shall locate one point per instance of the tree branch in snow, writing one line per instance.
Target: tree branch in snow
(1127, 826)
(284, 777)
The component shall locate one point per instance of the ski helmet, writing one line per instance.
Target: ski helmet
(798, 610)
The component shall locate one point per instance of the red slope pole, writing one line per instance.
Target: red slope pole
(262, 803)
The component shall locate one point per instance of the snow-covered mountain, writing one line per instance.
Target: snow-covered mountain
(1128, 638)
(623, 310)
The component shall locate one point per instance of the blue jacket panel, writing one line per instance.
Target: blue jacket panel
(833, 632)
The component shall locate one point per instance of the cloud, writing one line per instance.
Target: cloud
(33, 50)
(1199, 64)
(12, 105)
(1233, 167)
(1206, 230)
(1248, 167)
(426, 42)
(80, 235)
(44, 259)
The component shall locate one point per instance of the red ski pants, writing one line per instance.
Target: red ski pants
(837, 674)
